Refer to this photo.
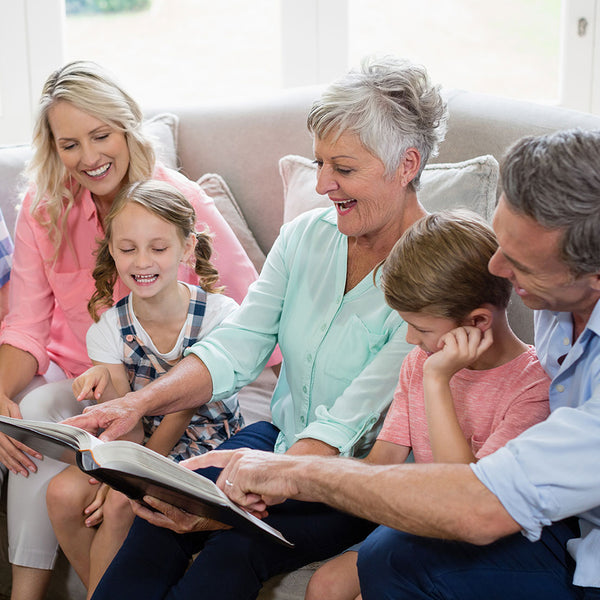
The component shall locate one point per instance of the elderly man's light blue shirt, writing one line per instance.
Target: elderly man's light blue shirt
(6, 252)
(552, 471)
(342, 351)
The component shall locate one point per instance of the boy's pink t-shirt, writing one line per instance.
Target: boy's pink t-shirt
(492, 406)
(48, 314)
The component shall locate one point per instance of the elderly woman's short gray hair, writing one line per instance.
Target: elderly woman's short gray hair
(390, 104)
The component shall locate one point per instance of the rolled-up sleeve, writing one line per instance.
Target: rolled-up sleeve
(550, 471)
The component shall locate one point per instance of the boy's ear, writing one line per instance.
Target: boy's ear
(481, 317)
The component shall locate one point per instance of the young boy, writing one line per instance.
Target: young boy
(470, 385)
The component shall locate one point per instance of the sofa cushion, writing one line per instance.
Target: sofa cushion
(163, 130)
(12, 181)
(214, 185)
(469, 184)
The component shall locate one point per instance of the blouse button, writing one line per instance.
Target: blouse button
(560, 388)
(129, 338)
(566, 341)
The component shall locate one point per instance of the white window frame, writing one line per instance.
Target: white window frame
(31, 46)
(314, 46)
(314, 41)
(580, 55)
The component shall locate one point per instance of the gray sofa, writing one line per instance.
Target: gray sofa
(236, 148)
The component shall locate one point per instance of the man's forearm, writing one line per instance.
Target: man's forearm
(443, 501)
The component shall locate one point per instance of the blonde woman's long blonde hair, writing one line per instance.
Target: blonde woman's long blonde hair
(167, 202)
(88, 87)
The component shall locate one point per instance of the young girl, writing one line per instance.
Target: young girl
(470, 385)
(149, 232)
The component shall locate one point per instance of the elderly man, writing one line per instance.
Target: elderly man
(547, 223)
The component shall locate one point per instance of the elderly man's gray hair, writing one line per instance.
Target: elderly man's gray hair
(555, 179)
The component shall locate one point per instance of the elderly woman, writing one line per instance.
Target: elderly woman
(373, 130)
(88, 143)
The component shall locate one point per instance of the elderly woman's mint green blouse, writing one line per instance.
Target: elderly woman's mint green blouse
(341, 352)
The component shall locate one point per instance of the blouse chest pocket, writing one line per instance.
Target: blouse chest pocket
(72, 292)
(355, 346)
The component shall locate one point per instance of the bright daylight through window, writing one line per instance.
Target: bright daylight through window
(184, 51)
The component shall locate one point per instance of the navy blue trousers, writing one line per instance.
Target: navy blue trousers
(153, 562)
(394, 565)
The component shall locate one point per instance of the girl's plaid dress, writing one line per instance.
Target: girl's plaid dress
(213, 422)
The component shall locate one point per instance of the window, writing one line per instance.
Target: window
(180, 52)
(30, 47)
(509, 48)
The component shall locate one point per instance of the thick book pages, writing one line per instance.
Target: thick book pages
(135, 471)
(56, 440)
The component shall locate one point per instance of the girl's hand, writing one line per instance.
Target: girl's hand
(458, 349)
(94, 514)
(91, 384)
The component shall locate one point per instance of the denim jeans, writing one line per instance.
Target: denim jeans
(396, 565)
(232, 564)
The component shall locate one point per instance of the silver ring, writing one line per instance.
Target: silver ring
(229, 483)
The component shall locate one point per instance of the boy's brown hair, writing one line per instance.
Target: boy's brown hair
(440, 266)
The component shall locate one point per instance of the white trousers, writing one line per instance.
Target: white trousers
(31, 540)
(54, 373)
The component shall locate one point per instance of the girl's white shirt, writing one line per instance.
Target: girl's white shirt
(105, 345)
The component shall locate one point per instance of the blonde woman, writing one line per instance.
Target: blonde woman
(88, 143)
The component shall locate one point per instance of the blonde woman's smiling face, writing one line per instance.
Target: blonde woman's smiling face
(94, 153)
